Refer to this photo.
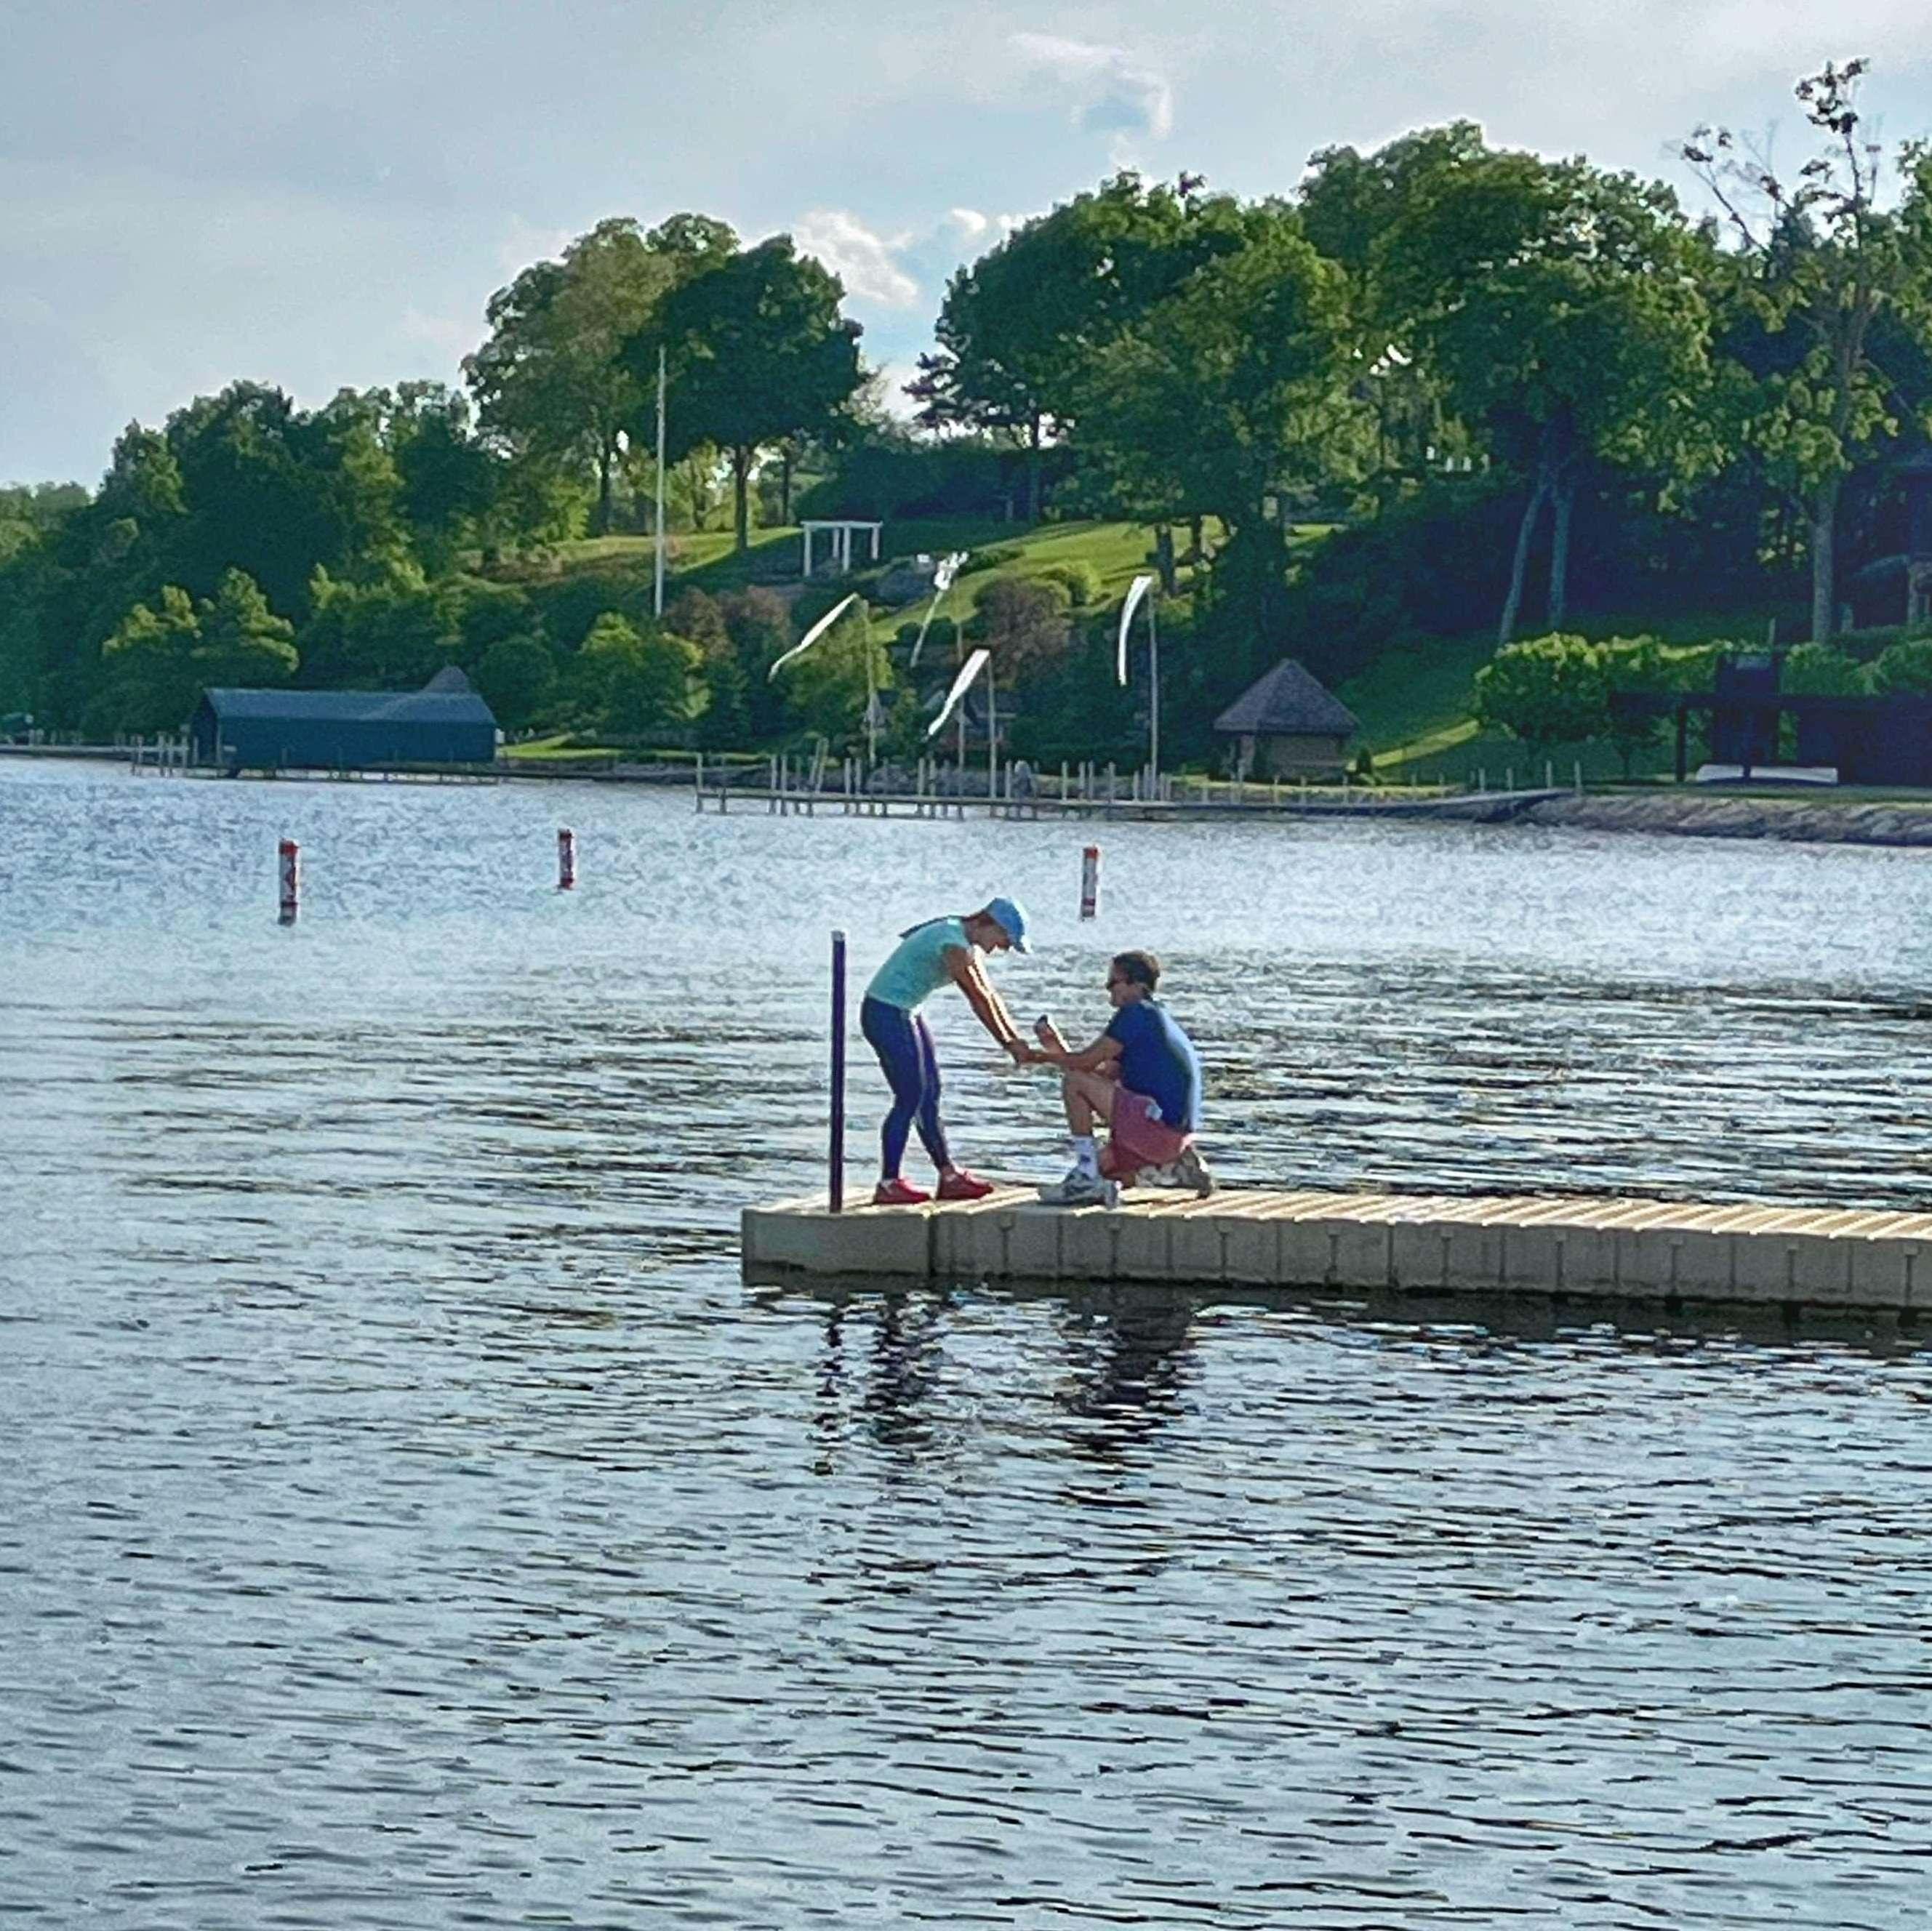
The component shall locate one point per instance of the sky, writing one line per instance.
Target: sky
(318, 194)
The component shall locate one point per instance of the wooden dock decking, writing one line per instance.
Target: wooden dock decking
(1657, 1250)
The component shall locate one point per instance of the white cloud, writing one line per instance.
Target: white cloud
(861, 259)
(969, 221)
(1110, 91)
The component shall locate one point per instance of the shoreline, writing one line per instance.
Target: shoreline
(1794, 821)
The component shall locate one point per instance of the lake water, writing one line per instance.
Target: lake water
(411, 1520)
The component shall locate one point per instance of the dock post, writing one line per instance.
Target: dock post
(1577, 778)
(836, 1176)
(697, 782)
(566, 861)
(1089, 881)
(291, 871)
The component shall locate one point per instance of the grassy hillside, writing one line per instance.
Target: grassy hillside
(1415, 702)
(707, 560)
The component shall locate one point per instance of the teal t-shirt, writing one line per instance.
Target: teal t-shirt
(917, 969)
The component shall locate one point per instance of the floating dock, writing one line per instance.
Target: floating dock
(1642, 1250)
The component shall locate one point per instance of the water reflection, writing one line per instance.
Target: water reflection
(1128, 1352)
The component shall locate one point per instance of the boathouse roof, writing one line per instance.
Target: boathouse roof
(448, 698)
(1288, 702)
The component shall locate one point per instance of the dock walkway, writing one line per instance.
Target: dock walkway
(1657, 1251)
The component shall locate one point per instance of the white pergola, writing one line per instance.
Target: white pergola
(841, 530)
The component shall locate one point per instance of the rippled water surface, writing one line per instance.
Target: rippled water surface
(411, 1520)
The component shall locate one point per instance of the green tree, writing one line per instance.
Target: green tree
(1821, 256)
(1562, 309)
(726, 722)
(634, 686)
(1349, 205)
(153, 681)
(1232, 389)
(1018, 327)
(391, 632)
(243, 641)
(549, 381)
(1545, 690)
(826, 691)
(757, 352)
(276, 493)
(162, 655)
(517, 678)
(450, 478)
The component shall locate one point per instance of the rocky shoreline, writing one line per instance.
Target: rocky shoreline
(1806, 820)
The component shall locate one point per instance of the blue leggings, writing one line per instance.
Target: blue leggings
(903, 1043)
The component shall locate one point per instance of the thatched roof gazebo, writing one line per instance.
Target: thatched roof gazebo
(1287, 724)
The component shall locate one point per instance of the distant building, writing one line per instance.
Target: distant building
(1286, 724)
(444, 723)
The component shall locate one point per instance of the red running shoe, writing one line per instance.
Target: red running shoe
(960, 1185)
(898, 1193)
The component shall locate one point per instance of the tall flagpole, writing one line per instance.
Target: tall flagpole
(992, 742)
(1153, 678)
(657, 592)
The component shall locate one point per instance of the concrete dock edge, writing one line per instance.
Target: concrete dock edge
(1645, 1250)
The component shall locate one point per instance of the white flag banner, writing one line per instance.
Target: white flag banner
(942, 581)
(1136, 590)
(812, 636)
(970, 670)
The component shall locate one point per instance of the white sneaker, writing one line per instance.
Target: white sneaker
(1189, 1171)
(1081, 1189)
(1192, 1170)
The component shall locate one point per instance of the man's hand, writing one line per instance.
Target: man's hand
(1023, 1055)
(1048, 1034)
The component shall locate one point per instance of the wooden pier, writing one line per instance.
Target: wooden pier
(1636, 1250)
(1198, 803)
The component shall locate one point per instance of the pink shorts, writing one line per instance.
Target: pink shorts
(1137, 1136)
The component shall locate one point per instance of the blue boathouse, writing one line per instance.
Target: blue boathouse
(444, 723)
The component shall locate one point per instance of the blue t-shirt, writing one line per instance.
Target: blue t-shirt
(917, 968)
(1158, 1059)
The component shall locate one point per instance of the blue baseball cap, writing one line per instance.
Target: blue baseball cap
(1010, 916)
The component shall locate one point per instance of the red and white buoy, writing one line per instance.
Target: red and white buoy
(291, 868)
(1089, 881)
(566, 861)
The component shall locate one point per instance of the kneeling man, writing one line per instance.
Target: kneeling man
(1143, 1077)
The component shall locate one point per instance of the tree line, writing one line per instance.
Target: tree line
(1518, 389)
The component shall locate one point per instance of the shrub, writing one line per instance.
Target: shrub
(1904, 666)
(1080, 581)
(994, 556)
(1022, 621)
(1822, 670)
(1547, 690)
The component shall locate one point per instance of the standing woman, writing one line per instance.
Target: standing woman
(925, 958)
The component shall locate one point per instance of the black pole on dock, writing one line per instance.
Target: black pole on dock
(836, 1186)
